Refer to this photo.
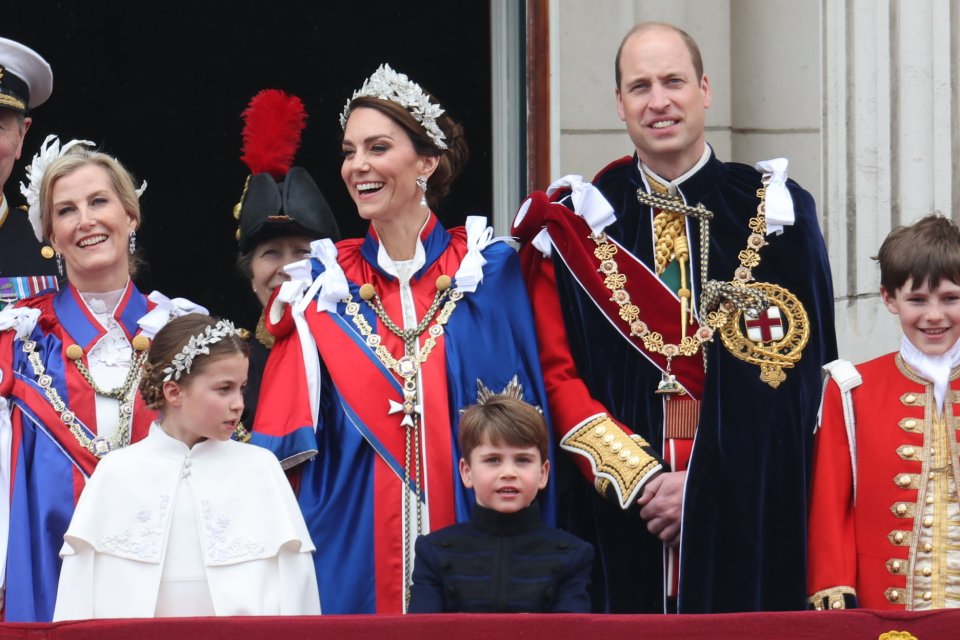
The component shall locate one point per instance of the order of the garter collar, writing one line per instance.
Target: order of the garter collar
(198, 344)
(387, 84)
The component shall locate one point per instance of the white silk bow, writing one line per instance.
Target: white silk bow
(479, 236)
(778, 203)
(587, 201)
(165, 310)
(22, 320)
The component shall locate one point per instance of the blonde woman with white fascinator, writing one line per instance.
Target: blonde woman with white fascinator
(70, 362)
(381, 341)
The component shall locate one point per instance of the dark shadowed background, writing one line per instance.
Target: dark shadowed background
(161, 85)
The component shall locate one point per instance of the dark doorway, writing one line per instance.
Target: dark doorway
(161, 85)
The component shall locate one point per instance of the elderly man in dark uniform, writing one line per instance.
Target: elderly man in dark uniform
(684, 307)
(26, 266)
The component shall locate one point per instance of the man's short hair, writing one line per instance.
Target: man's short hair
(503, 420)
(688, 40)
(926, 251)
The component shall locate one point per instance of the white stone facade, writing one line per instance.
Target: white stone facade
(860, 95)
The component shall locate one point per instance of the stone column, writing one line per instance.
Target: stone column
(890, 144)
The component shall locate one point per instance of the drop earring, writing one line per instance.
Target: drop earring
(133, 242)
(59, 264)
(422, 183)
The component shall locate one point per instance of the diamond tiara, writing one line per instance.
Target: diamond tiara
(387, 84)
(198, 344)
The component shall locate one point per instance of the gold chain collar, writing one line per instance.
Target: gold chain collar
(408, 368)
(723, 298)
(99, 446)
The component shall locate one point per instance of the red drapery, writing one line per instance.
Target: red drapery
(859, 624)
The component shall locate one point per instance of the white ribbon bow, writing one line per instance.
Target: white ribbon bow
(479, 237)
(166, 310)
(21, 319)
(778, 202)
(588, 202)
(330, 287)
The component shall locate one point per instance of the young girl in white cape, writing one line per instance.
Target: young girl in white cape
(188, 522)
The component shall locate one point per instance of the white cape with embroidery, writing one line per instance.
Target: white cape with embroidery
(255, 549)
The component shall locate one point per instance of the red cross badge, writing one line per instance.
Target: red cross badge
(767, 327)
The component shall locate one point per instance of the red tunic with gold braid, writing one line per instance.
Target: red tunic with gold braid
(883, 500)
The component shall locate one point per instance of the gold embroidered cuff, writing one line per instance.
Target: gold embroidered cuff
(626, 462)
(833, 598)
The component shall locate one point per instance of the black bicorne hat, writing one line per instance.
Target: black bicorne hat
(278, 199)
(292, 207)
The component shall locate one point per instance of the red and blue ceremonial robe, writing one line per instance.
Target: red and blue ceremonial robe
(49, 466)
(351, 489)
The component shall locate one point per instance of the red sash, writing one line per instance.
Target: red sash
(36, 403)
(659, 307)
(366, 386)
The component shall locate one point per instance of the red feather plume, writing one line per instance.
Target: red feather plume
(273, 122)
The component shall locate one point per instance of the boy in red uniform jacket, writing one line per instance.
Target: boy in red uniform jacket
(884, 518)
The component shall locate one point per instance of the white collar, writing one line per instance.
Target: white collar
(403, 269)
(936, 369)
(672, 185)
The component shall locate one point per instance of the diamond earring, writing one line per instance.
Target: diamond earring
(422, 183)
(59, 264)
(133, 242)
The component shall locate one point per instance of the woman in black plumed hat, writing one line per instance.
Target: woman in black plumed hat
(280, 213)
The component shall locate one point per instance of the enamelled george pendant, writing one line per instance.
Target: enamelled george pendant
(758, 322)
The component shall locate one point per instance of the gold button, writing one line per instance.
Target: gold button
(895, 566)
(836, 605)
(909, 451)
(607, 439)
(927, 595)
(931, 475)
(929, 500)
(634, 461)
(141, 342)
(46, 252)
(443, 282)
(910, 398)
(927, 547)
(367, 291)
(624, 454)
(904, 480)
(910, 424)
(901, 509)
(927, 571)
(616, 446)
(74, 352)
(898, 537)
(894, 595)
(928, 521)
(599, 431)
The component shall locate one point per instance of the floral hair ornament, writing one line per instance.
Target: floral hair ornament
(50, 150)
(387, 84)
(197, 345)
